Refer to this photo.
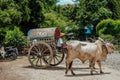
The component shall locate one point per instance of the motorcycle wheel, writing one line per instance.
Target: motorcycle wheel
(13, 56)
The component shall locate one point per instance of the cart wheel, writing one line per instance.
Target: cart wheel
(36, 54)
(57, 57)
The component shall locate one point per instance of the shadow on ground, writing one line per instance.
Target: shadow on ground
(86, 69)
(55, 68)
(87, 74)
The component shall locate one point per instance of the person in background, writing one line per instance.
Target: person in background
(34, 41)
(60, 41)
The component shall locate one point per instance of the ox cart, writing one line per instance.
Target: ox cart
(43, 52)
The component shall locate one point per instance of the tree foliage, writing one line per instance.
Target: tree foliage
(28, 14)
(114, 6)
(67, 10)
(93, 11)
(56, 20)
(9, 13)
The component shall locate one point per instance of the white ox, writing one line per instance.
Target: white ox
(94, 52)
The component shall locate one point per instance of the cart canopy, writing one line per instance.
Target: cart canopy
(44, 33)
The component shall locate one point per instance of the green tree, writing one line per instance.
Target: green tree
(24, 13)
(66, 10)
(54, 19)
(32, 14)
(58, 16)
(9, 16)
(9, 13)
(93, 11)
(114, 6)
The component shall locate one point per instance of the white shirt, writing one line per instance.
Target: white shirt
(34, 41)
(59, 43)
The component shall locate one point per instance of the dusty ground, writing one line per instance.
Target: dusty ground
(20, 69)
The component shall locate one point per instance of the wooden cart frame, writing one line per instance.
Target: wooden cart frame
(43, 53)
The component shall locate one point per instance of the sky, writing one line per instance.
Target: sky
(62, 2)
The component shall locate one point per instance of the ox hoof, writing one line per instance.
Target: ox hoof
(101, 72)
(73, 74)
(66, 72)
(91, 73)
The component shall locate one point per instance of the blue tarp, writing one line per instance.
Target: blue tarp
(88, 29)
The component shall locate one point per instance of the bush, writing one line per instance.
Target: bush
(107, 37)
(117, 28)
(109, 26)
(105, 27)
(14, 37)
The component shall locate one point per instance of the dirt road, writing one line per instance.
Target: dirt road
(20, 69)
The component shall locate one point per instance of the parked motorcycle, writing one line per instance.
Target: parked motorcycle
(9, 53)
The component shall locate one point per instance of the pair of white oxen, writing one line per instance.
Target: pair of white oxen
(94, 52)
